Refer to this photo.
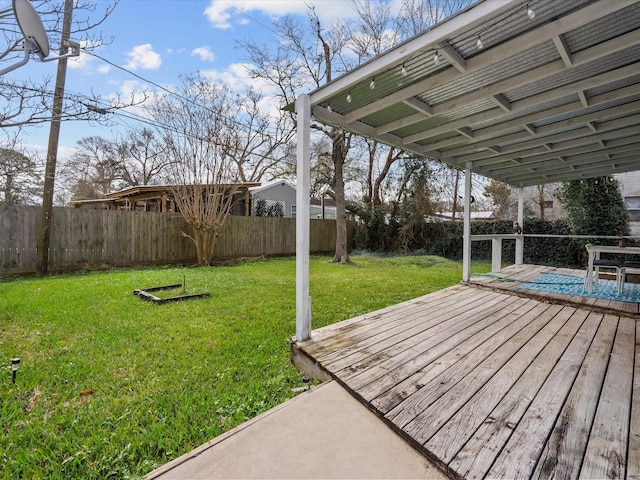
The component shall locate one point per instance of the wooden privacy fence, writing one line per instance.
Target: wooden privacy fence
(82, 238)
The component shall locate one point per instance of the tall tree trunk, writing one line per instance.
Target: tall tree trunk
(392, 156)
(338, 155)
(455, 195)
(541, 200)
(372, 153)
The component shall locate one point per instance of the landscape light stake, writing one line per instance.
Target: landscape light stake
(14, 368)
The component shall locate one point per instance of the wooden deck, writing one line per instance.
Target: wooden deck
(490, 384)
(517, 274)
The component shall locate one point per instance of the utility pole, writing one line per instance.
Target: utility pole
(44, 236)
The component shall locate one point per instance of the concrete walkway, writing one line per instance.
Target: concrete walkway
(322, 433)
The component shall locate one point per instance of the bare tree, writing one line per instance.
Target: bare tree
(418, 15)
(370, 34)
(20, 180)
(94, 170)
(28, 102)
(100, 165)
(144, 158)
(306, 56)
(500, 194)
(382, 160)
(261, 142)
(193, 126)
(540, 200)
(303, 58)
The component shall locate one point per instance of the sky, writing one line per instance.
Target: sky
(159, 40)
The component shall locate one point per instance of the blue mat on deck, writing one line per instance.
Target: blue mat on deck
(572, 285)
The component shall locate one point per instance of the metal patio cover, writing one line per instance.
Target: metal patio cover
(547, 99)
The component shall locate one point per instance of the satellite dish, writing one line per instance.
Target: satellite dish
(35, 37)
(31, 27)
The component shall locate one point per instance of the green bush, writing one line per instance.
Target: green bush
(444, 238)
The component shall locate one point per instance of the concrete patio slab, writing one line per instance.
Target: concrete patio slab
(322, 433)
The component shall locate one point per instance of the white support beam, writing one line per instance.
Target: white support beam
(523, 42)
(583, 98)
(502, 102)
(496, 255)
(569, 89)
(589, 166)
(563, 50)
(419, 105)
(520, 238)
(303, 222)
(466, 238)
(403, 122)
(453, 57)
(528, 78)
(467, 132)
(496, 129)
(609, 129)
(515, 142)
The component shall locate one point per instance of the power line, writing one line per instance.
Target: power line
(252, 19)
(171, 92)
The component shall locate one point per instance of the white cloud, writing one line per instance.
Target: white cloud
(143, 56)
(204, 53)
(175, 51)
(221, 12)
(237, 77)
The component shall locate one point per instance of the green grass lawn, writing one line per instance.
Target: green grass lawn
(111, 386)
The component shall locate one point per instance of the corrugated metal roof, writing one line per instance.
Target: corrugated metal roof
(547, 99)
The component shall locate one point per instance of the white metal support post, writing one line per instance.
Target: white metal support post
(466, 239)
(519, 238)
(303, 301)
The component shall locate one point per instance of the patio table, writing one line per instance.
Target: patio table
(594, 253)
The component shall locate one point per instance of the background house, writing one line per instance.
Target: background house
(629, 189)
(159, 198)
(534, 196)
(280, 196)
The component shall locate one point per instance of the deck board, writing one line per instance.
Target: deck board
(397, 350)
(388, 333)
(489, 382)
(462, 358)
(561, 457)
(529, 434)
(530, 373)
(412, 414)
(633, 463)
(402, 377)
(606, 455)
